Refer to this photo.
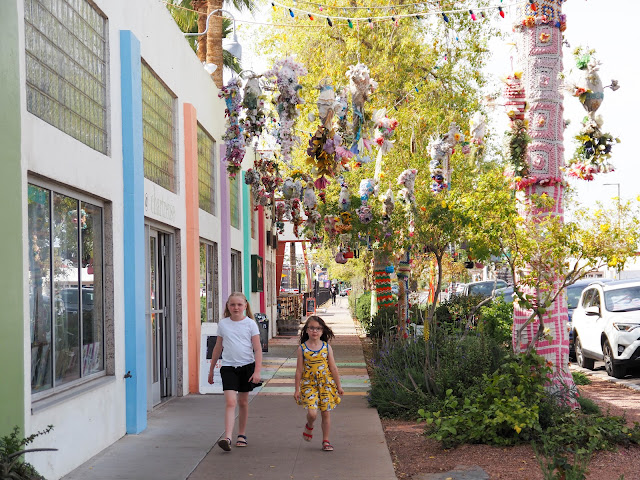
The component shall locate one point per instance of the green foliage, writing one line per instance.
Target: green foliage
(588, 406)
(12, 450)
(363, 310)
(453, 314)
(580, 378)
(555, 464)
(496, 321)
(503, 411)
(398, 382)
(382, 323)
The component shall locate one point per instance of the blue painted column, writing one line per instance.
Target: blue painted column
(246, 235)
(134, 241)
(225, 227)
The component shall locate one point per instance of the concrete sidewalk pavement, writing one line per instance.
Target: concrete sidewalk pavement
(180, 441)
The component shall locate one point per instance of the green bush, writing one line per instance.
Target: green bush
(383, 322)
(496, 321)
(452, 315)
(12, 465)
(580, 378)
(398, 383)
(503, 409)
(363, 310)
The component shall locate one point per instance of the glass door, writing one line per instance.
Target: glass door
(159, 331)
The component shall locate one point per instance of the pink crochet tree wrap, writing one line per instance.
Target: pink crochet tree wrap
(539, 44)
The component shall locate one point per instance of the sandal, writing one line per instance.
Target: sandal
(241, 441)
(225, 444)
(326, 446)
(307, 436)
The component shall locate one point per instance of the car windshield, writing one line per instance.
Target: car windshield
(481, 289)
(622, 299)
(573, 295)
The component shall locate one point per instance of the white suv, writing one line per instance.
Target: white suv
(606, 326)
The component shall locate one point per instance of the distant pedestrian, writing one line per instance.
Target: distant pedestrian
(239, 335)
(334, 292)
(317, 379)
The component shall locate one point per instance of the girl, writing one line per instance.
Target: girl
(241, 364)
(317, 379)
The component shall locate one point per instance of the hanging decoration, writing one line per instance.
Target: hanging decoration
(385, 128)
(517, 137)
(361, 86)
(441, 150)
(264, 179)
(287, 72)
(233, 137)
(407, 196)
(594, 146)
(254, 120)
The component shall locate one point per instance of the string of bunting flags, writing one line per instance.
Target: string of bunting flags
(394, 17)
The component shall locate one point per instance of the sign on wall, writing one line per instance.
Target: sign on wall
(208, 338)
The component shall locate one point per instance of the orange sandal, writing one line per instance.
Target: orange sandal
(326, 446)
(307, 436)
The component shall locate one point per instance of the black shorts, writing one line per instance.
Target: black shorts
(237, 378)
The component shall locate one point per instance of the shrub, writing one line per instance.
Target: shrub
(580, 378)
(398, 382)
(452, 315)
(382, 323)
(363, 310)
(503, 410)
(12, 450)
(496, 321)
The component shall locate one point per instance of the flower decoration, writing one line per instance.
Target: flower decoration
(233, 137)
(287, 71)
(365, 214)
(254, 120)
(385, 128)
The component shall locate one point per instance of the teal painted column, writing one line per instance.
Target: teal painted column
(246, 235)
(135, 344)
(12, 324)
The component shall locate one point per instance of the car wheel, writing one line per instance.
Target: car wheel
(613, 370)
(583, 361)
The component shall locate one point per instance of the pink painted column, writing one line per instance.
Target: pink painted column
(538, 33)
(192, 208)
(261, 251)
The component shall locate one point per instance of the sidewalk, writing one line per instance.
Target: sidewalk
(179, 442)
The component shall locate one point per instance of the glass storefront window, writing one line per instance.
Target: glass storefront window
(209, 282)
(65, 288)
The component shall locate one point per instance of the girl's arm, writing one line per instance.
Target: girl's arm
(215, 356)
(334, 370)
(257, 352)
(299, 369)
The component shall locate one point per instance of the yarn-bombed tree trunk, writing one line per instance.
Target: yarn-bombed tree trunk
(539, 43)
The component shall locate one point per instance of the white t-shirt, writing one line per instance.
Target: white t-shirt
(237, 347)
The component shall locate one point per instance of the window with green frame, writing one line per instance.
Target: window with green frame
(206, 171)
(234, 200)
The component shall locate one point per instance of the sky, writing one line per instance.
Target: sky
(612, 28)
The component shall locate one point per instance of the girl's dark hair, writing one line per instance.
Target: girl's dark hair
(327, 333)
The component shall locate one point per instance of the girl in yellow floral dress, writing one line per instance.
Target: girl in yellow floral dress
(317, 379)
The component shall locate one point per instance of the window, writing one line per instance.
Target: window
(206, 171)
(209, 282)
(236, 271)
(65, 288)
(233, 202)
(158, 130)
(66, 68)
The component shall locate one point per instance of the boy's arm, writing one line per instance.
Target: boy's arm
(333, 368)
(257, 352)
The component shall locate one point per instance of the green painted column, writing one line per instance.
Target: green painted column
(12, 393)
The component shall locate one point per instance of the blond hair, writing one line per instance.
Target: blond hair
(227, 313)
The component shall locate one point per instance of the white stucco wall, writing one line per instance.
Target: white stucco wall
(90, 419)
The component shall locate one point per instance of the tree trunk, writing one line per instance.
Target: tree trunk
(540, 58)
(214, 40)
(201, 7)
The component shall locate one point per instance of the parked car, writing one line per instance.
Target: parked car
(484, 288)
(574, 291)
(506, 294)
(606, 326)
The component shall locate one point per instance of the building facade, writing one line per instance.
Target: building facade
(123, 231)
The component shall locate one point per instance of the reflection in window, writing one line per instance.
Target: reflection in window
(209, 282)
(66, 68)
(206, 171)
(65, 288)
(234, 192)
(236, 271)
(158, 131)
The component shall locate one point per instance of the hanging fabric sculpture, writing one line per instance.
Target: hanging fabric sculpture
(233, 137)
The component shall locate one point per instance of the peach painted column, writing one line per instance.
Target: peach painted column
(192, 208)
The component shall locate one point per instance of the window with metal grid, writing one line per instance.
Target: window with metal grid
(234, 193)
(206, 171)
(66, 68)
(158, 130)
